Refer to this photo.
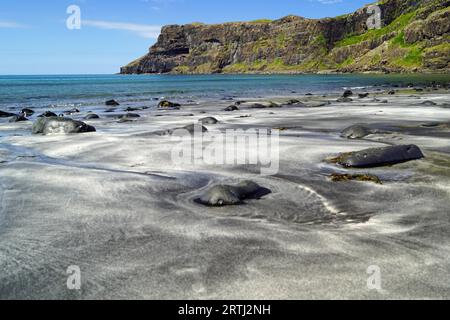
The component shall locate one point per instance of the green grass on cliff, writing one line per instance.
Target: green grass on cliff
(412, 54)
(397, 25)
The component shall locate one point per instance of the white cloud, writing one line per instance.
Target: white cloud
(142, 30)
(11, 25)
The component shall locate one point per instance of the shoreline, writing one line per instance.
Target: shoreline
(114, 203)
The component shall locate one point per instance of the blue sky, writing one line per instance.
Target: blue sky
(35, 39)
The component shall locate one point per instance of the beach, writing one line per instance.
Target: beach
(114, 203)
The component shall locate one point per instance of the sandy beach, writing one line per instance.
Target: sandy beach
(113, 203)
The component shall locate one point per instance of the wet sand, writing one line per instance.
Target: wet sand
(113, 203)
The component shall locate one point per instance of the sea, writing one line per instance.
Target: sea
(59, 91)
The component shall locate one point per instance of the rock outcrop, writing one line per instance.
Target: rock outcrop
(414, 38)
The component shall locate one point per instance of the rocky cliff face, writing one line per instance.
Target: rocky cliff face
(415, 37)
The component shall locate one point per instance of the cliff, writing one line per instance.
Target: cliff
(415, 37)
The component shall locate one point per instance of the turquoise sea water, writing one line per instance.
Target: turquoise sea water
(80, 90)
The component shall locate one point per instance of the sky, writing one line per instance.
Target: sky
(35, 38)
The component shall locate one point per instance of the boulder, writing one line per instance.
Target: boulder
(91, 116)
(226, 195)
(231, 108)
(363, 95)
(4, 114)
(112, 103)
(71, 111)
(377, 157)
(47, 114)
(208, 120)
(189, 129)
(344, 99)
(18, 118)
(356, 132)
(291, 102)
(347, 93)
(429, 103)
(59, 125)
(27, 112)
(165, 104)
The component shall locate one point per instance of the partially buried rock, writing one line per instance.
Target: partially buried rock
(344, 99)
(347, 93)
(292, 101)
(60, 125)
(91, 116)
(226, 195)
(4, 114)
(363, 95)
(356, 132)
(72, 111)
(208, 120)
(165, 104)
(377, 157)
(129, 117)
(18, 118)
(336, 177)
(112, 103)
(47, 114)
(231, 108)
(27, 112)
(189, 129)
(429, 103)
(263, 106)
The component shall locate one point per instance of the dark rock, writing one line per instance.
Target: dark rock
(27, 112)
(363, 95)
(429, 103)
(263, 106)
(131, 109)
(344, 99)
(72, 111)
(377, 157)
(356, 132)
(168, 105)
(355, 177)
(91, 116)
(347, 93)
(4, 114)
(54, 125)
(226, 195)
(291, 102)
(392, 92)
(208, 120)
(191, 129)
(231, 108)
(112, 103)
(47, 114)
(258, 106)
(129, 116)
(110, 110)
(18, 118)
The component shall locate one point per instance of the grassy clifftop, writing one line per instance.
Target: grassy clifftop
(415, 37)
